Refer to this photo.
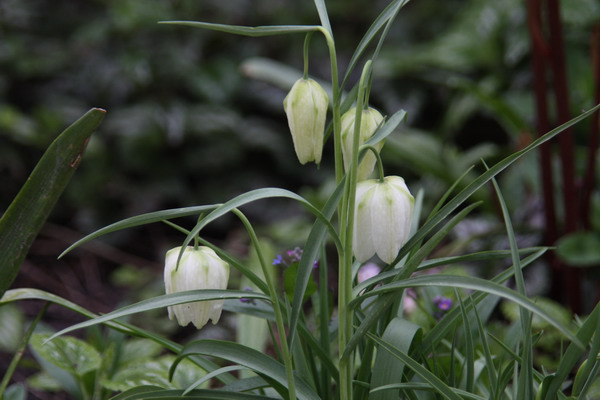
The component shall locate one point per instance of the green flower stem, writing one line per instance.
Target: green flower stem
(373, 149)
(336, 106)
(345, 273)
(20, 351)
(285, 351)
(306, 48)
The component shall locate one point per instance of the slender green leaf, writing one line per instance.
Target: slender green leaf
(525, 386)
(573, 354)
(386, 15)
(26, 215)
(255, 195)
(322, 10)
(165, 301)
(211, 375)
(153, 392)
(387, 128)
(250, 358)
(426, 387)
(252, 31)
(142, 219)
(473, 283)
(311, 251)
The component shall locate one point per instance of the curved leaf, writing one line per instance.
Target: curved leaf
(252, 31)
(25, 216)
(472, 283)
(250, 358)
(165, 301)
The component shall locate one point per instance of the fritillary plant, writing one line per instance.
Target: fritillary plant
(354, 339)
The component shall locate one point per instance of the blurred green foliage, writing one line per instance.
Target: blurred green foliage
(185, 126)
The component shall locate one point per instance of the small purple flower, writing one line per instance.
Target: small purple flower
(442, 303)
(278, 260)
(316, 264)
(295, 255)
(245, 299)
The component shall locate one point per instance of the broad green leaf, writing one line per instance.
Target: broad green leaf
(252, 31)
(43, 382)
(436, 383)
(26, 215)
(71, 354)
(138, 349)
(580, 249)
(15, 392)
(11, 328)
(140, 373)
(388, 369)
(163, 302)
(250, 358)
(473, 283)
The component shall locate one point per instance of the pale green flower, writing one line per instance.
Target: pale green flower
(369, 122)
(306, 109)
(383, 213)
(199, 268)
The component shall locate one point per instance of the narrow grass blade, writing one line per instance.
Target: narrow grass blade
(573, 354)
(416, 386)
(26, 215)
(473, 283)
(142, 219)
(387, 128)
(165, 301)
(322, 10)
(250, 358)
(386, 15)
(316, 240)
(255, 195)
(436, 383)
(153, 392)
(252, 31)
(211, 375)
(525, 386)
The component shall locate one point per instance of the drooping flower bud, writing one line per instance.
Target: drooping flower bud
(369, 122)
(306, 109)
(383, 213)
(199, 268)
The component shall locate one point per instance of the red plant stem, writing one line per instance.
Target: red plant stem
(590, 170)
(540, 53)
(569, 192)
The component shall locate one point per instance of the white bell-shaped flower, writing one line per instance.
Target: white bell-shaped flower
(199, 268)
(306, 109)
(369, 122)
(383, 213)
